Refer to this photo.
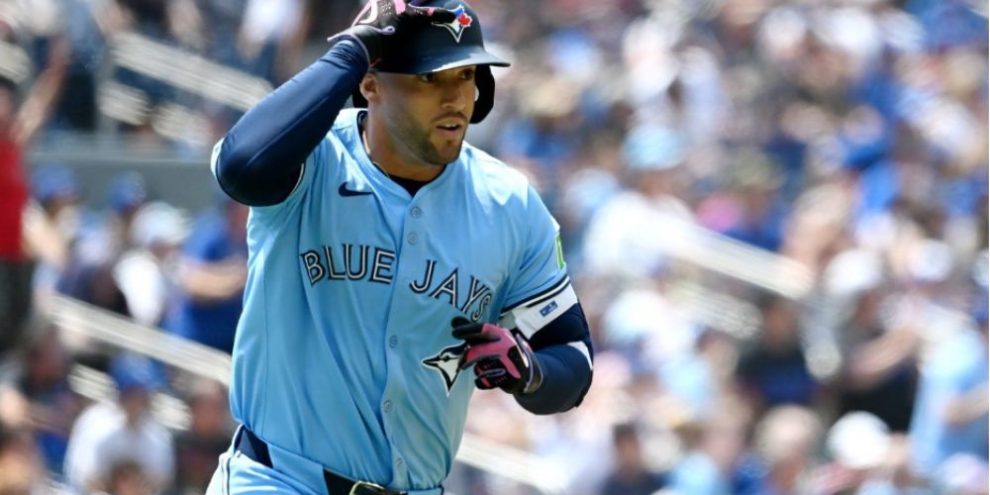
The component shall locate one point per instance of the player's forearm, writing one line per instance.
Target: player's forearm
(566, 378)
(261, 157)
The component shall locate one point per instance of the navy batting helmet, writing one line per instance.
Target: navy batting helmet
(441, 46)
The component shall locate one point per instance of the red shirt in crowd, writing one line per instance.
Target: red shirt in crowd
(13, 197)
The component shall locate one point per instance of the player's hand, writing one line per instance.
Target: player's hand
(382, 18)
(500, 357)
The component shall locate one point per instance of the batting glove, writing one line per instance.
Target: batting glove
(500, 357)
(381, 18)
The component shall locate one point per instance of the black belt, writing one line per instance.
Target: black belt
(256, 449)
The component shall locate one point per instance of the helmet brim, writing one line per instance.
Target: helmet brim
(439, 61)
(444, 61)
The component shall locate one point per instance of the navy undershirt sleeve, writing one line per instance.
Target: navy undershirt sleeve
(261, 157)
(566, 371)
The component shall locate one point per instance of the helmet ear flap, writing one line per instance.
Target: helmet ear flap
(483, 104)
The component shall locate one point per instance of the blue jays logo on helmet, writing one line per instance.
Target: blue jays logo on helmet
(448, 363)
(462, 21)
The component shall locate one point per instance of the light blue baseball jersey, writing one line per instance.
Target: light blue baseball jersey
(343, 352)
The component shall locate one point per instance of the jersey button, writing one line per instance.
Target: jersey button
(416, 212)
(412, 238)
(393, 341)
(387, 406)
(398, 463)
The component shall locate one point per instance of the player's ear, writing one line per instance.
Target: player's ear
(370, 87)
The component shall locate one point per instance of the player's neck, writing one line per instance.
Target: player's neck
(391, 160)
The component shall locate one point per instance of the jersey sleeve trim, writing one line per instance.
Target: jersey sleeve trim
(302, 173)
(541, 310)
(213, 158)
(539, 297)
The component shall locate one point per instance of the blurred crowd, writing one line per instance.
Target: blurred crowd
(848, 138)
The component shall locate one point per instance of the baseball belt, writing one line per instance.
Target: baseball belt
(256, 449)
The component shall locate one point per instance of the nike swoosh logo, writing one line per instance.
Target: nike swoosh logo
(344, 191)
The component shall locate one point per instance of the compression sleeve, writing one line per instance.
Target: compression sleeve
(261, 157)
(564, 353)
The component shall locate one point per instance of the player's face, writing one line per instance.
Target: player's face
(428, 114)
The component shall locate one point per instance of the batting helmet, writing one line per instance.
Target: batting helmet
(438, 46)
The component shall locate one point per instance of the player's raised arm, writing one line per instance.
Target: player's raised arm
(261, 157)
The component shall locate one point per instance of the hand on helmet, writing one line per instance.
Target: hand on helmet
(382, 18)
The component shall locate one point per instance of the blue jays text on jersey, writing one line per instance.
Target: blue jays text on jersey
(375, 264)
(343, 352)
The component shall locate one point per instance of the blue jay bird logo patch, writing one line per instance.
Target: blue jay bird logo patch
(462, 21)
(448, 363)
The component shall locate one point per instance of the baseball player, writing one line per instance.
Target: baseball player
(387, 260)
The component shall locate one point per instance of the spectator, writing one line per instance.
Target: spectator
(66, 39)
(963, 474)
(148, 16)
(86, 30)
(212, 274)
(712, 455)
(878, 374)
(100, 242)
(271, 36)
(21, 469)
(14, 268)
(126, 194)
(54, 226)
(785, 442)
(128, 478)
(760, 215)
(125, 430)
(93, 284)
(859, 445)
(52, 404)
(775, 371)
(20, 122)
(198, 448)
(146, 273)
(895, 474)
(630, 475)
(951, 409)
(617, 240)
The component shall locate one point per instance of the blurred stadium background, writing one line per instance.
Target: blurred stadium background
(775, 213)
